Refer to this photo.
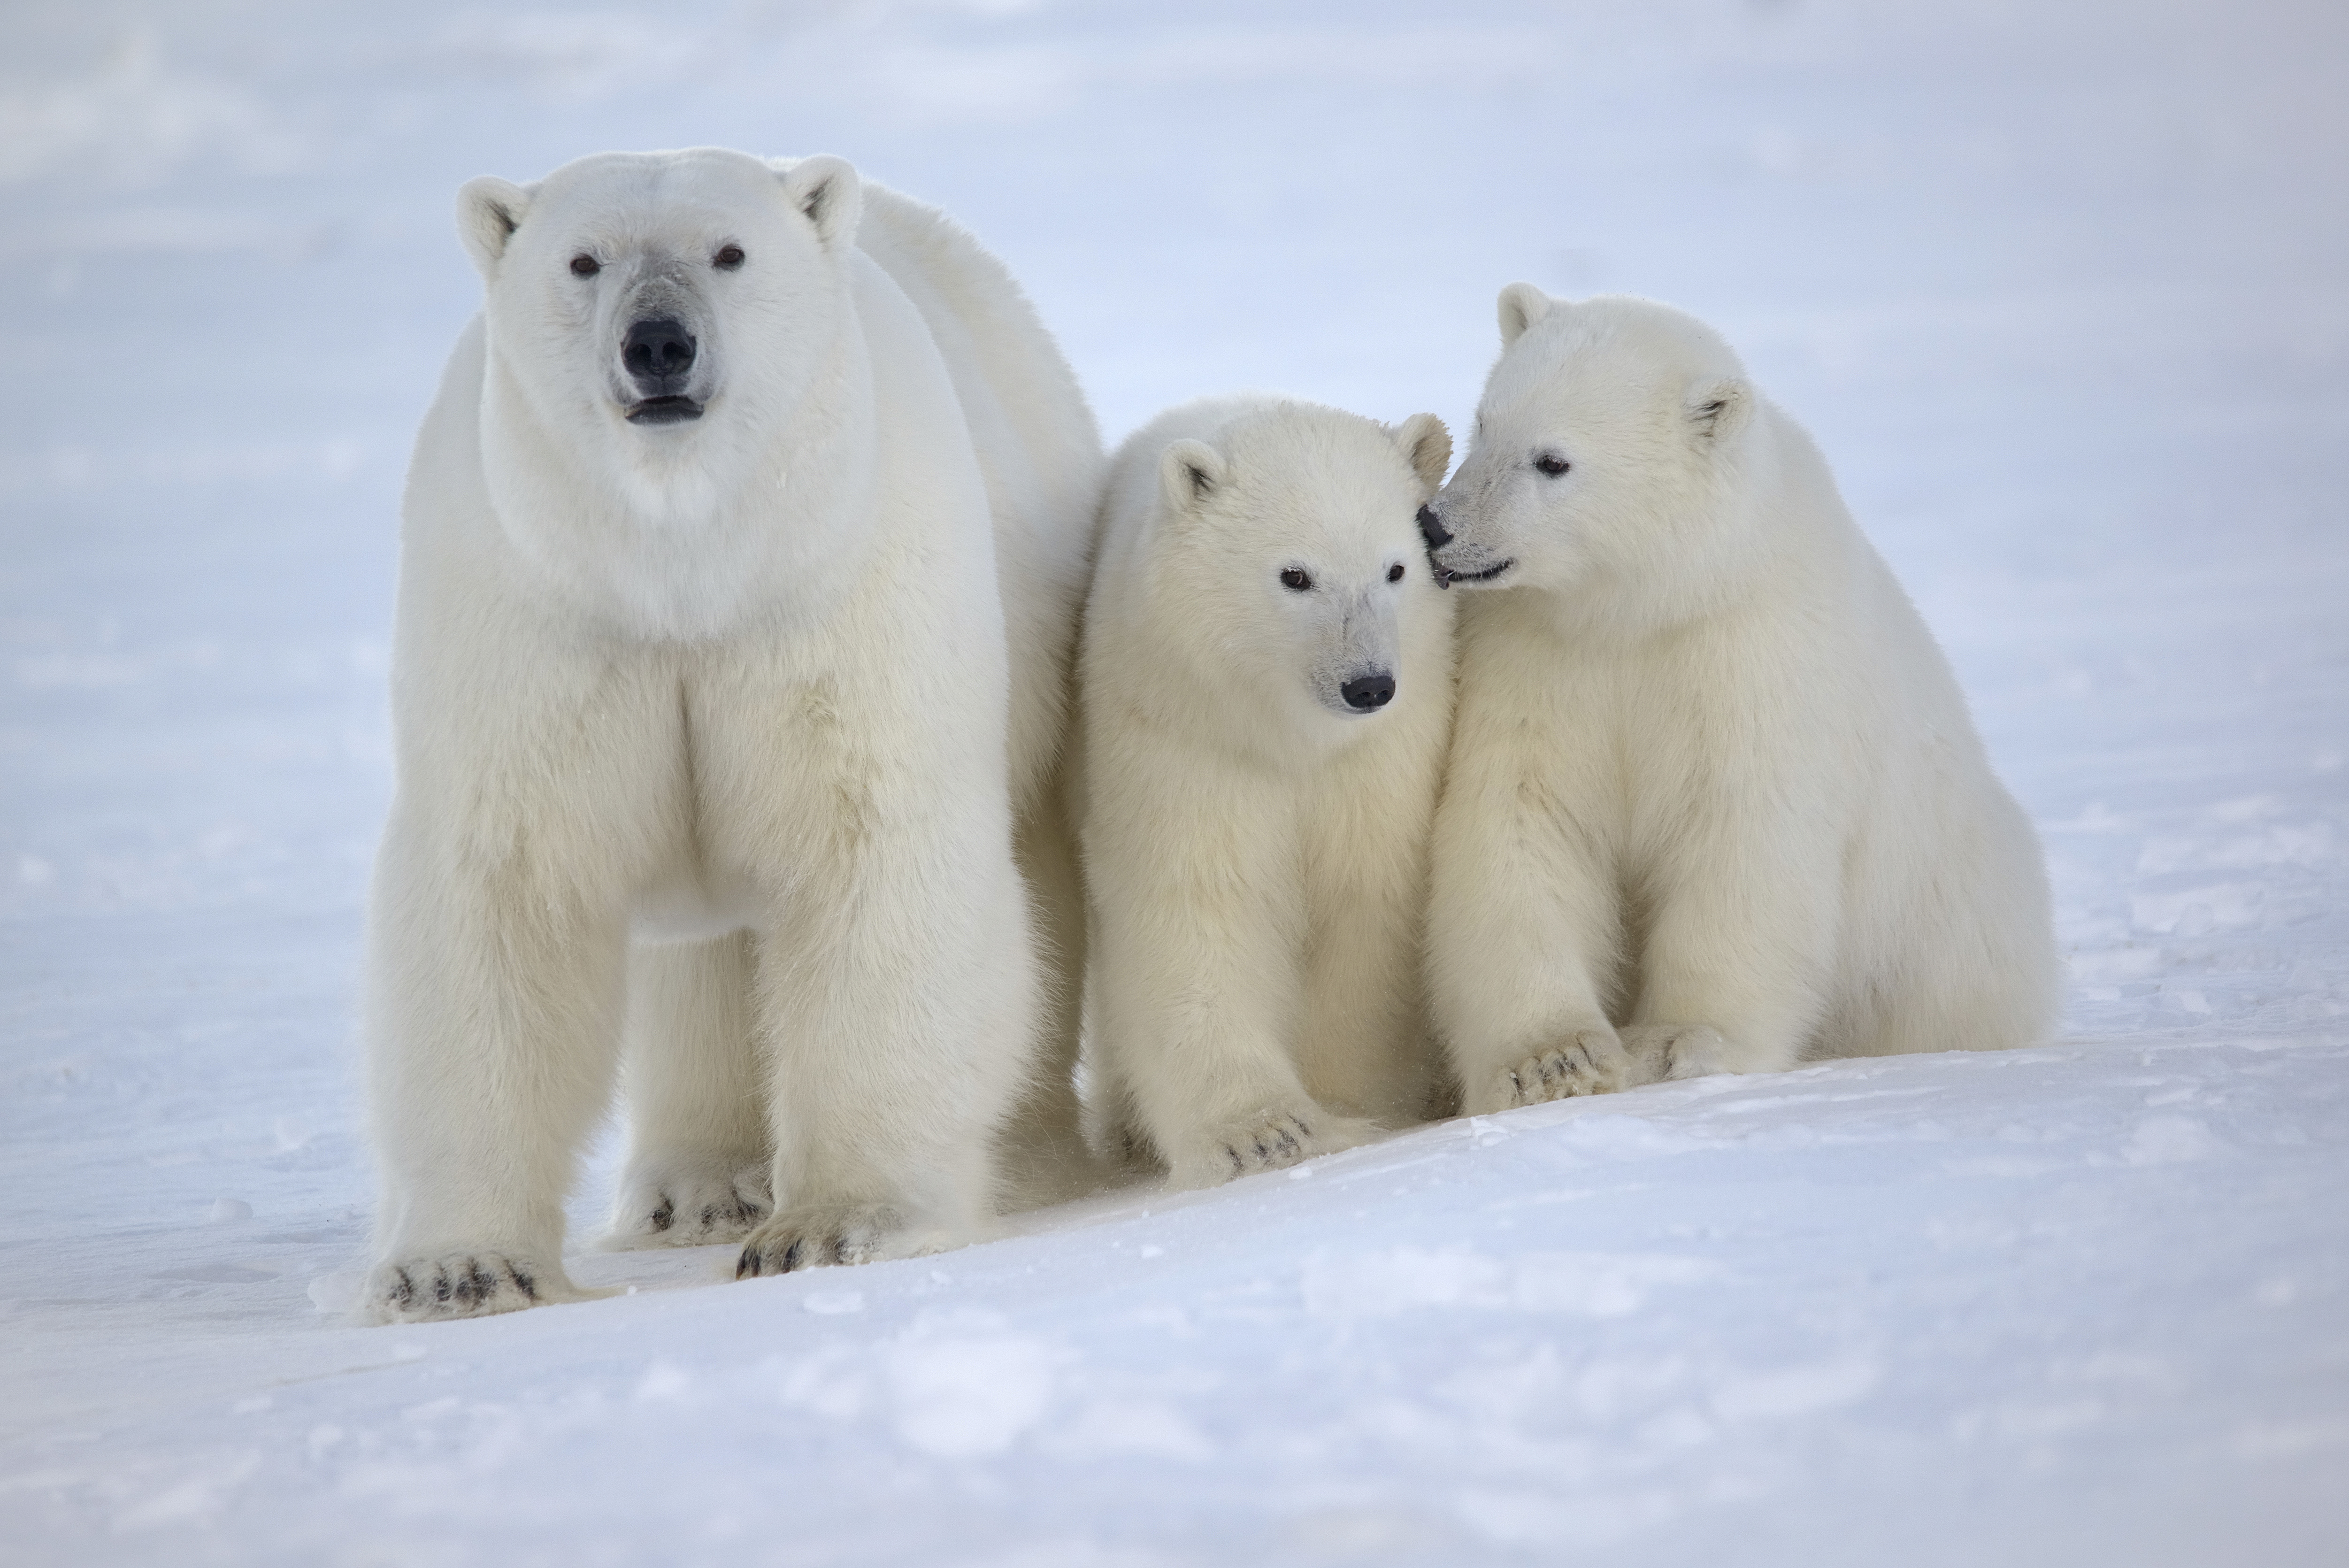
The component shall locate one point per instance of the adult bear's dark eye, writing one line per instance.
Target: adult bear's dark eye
(1394, 572)
(584, 266)
(728, 257)
(1552, 464)
(1295, 581)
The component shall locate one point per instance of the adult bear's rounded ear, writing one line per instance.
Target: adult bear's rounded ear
(488, 210)
(1426, 445)
(1718, 409)
(1522, 305)
(1189, 472)
(827, 192)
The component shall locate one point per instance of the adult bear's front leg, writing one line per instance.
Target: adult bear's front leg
(897, 997)
(494, 1000)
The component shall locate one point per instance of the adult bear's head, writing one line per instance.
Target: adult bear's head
(655, 318)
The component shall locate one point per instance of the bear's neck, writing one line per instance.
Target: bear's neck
(696, 534)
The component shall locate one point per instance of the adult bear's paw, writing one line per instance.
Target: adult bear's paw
(461, 1285)
(1664, 1053)
(816, 1235)
(1267, 1141)
(1590, 1061)
(682, 1204)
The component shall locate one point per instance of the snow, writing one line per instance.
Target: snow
(2059, 289)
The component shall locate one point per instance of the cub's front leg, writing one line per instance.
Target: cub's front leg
(1741, 943)
(1198, 900)
(1522, 923)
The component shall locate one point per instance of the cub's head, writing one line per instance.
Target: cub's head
(1603, 445)
(1286, 554)
(648, 305)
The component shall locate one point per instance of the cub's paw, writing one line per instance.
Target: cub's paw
(1665, 1053)
(459, 1285)
(1267, 1141)
(1590, 1061)
(816, 1235)
(681, 1205)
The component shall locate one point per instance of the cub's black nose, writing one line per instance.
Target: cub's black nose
(1431, 528)
(658, 353)
(1368, 692)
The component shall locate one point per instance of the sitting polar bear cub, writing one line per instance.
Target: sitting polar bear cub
(1712, 782)
(1267, 693)
(699, 634)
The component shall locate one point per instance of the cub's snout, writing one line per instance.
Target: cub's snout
(1436, 535)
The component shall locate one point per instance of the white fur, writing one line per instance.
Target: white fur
(1256, 850)
(740, 685)
(1715, 801)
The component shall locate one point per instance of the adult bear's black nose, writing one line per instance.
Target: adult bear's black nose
(658, 352)
(1369, 692)
(1431, 528)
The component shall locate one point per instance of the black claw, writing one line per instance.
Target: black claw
(791, 1255)
(1298, 1124)
(1238, 1166)
(708, 1215)
(665, 1215)
(522, 1282)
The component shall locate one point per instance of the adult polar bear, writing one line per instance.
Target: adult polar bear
(700, 633)
(1711, 782)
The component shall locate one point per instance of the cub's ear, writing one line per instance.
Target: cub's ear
(1189, 472)
(827, 192)
(1719, 408)
(1427, 447)
(1522, 305)
(488, 210)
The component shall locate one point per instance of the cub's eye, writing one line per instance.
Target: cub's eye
(584, 266)
(1552, 464)
(728, 258)
(1394, 572)
(1295, 581)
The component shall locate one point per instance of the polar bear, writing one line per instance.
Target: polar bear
(740, 563)
(1265, 679)
(1714, 802)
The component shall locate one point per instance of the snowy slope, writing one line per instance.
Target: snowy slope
(2060, 291)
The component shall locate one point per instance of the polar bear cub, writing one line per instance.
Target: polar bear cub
(1715, 801)
(739, 571)
(1266, 691)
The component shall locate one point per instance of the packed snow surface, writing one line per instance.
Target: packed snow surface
(2060, 289)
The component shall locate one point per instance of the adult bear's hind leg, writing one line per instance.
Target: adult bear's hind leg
(698, 1146)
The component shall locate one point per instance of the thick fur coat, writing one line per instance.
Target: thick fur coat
(741, 554)
(1715, 801)
(1266, 687)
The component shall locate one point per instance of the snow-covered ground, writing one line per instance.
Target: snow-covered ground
(2061, 290)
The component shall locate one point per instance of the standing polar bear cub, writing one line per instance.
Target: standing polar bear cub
(740, 558)
(1715, 801)
(1267, 694)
